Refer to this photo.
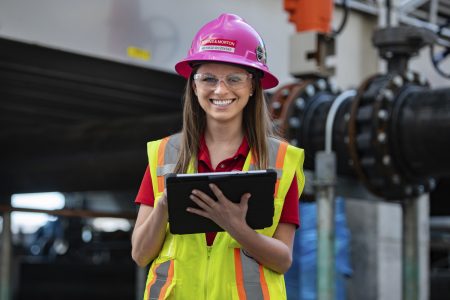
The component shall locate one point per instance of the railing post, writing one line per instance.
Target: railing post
(5, 267)
(324, 189)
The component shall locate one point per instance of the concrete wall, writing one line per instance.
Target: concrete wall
(376, 229)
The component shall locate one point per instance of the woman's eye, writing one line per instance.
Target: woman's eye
(210, 79)
(234, 79)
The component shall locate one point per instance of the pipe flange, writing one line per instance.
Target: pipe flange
(289, 103)
(371, 136)
(302, 107)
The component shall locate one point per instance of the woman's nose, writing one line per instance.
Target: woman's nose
(221, 87)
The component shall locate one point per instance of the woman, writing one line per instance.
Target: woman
(225, 127)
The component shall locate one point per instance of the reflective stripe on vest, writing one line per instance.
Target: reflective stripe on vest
(167, 158)
(162, 277)
(250, 280)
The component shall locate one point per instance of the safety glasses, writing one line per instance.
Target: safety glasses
(233, 81)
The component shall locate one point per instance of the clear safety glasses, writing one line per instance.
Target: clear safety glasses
(233, 81)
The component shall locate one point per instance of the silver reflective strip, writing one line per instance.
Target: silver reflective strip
(274, 146)
(161, 274)
(279, 173)
(172, 149)
(170, 155)
(251, 277)
(165, 169)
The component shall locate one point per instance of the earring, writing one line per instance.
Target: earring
(251, 94)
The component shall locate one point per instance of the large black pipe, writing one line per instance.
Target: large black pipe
(422, 122)
(394, 135)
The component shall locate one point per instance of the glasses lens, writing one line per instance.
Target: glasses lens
(236, 80)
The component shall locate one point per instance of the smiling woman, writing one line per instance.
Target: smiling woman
(226, 127)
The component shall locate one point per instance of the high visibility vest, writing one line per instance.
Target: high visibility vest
(186, 268)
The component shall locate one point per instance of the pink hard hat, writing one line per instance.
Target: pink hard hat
(228, 39)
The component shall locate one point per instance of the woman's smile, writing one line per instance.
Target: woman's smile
(222, 102)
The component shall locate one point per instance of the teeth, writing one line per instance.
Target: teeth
(221, 102)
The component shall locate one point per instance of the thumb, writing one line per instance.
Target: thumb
(244, 199)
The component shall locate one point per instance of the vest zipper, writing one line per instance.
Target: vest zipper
(207, 279)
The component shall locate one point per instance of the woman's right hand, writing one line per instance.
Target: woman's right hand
(149, 231)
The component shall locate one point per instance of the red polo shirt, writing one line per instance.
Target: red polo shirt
(289, 213)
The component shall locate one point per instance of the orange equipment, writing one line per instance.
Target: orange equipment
(310, 15)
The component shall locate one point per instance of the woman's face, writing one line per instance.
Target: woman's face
(222, 91)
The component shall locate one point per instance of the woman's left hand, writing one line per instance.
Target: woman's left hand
(223, 212)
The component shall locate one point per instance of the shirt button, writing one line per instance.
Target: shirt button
(222, 166)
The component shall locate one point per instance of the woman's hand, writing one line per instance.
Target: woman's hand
(273, 252)
(225, 213)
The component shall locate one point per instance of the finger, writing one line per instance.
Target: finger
(200, 202)
(245, 198)
(204, 197)
(218, 192)
(198, 212)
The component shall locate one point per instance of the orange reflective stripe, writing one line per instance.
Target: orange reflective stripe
(280, 162)
(239, 274)
(149, 285)
(162, 277)
(168, 282)
(161, 150)
(262, 280)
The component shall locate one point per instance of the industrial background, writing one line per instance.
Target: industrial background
(365, 90)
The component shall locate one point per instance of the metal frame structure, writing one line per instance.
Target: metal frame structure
(429, 14)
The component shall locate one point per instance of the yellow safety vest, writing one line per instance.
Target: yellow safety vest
(186, 268)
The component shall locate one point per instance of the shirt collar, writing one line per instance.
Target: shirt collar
(203, 152)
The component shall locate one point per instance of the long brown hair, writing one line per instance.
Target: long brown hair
(257, 126)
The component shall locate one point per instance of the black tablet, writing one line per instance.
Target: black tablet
(260, 184)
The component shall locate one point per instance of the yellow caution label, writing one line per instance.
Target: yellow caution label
(138, 53)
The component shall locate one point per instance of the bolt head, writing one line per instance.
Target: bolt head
(382, 114)
(294, 122)
(276, 105)
(398, 81)
(310, 90)
(388, 95)
(395, 179)
(321, 84)
(382, 137)
(300, 103)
